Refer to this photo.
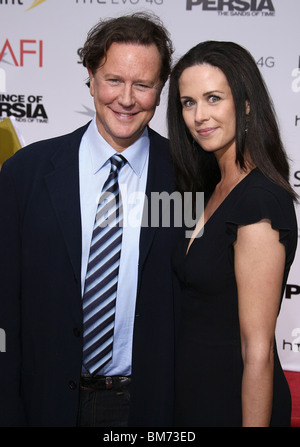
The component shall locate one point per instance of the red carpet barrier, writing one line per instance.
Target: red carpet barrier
(293, 379)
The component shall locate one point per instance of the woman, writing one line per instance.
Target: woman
(225, 141)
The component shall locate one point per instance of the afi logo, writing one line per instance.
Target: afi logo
(26, 47)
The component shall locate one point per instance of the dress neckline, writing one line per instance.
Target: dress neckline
(189, 245)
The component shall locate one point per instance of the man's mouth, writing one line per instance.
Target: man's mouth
(125, 115)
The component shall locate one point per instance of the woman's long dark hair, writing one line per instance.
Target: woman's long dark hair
(197, 170)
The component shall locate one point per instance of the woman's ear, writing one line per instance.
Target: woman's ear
(247, 107)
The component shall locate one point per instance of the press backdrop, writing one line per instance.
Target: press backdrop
(42, 82)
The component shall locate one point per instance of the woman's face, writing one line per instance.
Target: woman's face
(208, 108)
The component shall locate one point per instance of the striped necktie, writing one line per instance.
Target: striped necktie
(100, 291)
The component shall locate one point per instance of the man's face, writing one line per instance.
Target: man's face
(126, 91)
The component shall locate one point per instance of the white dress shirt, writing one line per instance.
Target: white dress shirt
(94, 168)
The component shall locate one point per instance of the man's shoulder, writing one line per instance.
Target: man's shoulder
(155, 137)
(45, 149)
(74, 136)
(159, 147)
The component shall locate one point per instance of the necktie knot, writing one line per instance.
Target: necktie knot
(117, 162)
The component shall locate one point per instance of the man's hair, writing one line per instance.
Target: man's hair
(138, 28)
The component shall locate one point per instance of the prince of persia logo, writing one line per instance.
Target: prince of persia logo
(234, 7)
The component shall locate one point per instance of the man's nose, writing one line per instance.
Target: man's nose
(126, 98)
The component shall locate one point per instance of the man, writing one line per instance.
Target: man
(52, 372)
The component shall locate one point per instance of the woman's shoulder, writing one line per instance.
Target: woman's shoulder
(258, 197)
(262, 187)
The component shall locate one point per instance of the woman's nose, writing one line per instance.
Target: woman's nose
(201, 113)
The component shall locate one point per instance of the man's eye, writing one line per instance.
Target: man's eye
(142, 86)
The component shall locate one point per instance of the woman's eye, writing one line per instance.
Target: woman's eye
(214, 98)
(187, 103)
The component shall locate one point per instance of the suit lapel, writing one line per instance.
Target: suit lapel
(157, 181)
(63, 186)
(148, 231)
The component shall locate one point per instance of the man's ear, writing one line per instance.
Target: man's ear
(158, 97)
(91, 81)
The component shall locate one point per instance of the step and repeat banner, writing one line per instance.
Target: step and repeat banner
(42, 82)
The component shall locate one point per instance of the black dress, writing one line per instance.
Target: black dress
(208, 361)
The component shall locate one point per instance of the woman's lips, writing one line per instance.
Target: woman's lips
(206, 132)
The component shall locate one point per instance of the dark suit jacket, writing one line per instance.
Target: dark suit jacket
(40, 292)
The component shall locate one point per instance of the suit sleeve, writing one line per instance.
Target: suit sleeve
(11, 408)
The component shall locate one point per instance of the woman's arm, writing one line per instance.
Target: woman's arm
(259, 267)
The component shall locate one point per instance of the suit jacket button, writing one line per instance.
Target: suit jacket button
(72, 385)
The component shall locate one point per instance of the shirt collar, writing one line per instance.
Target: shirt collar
(100, 151)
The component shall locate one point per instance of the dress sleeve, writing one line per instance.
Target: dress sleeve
(259, 203)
